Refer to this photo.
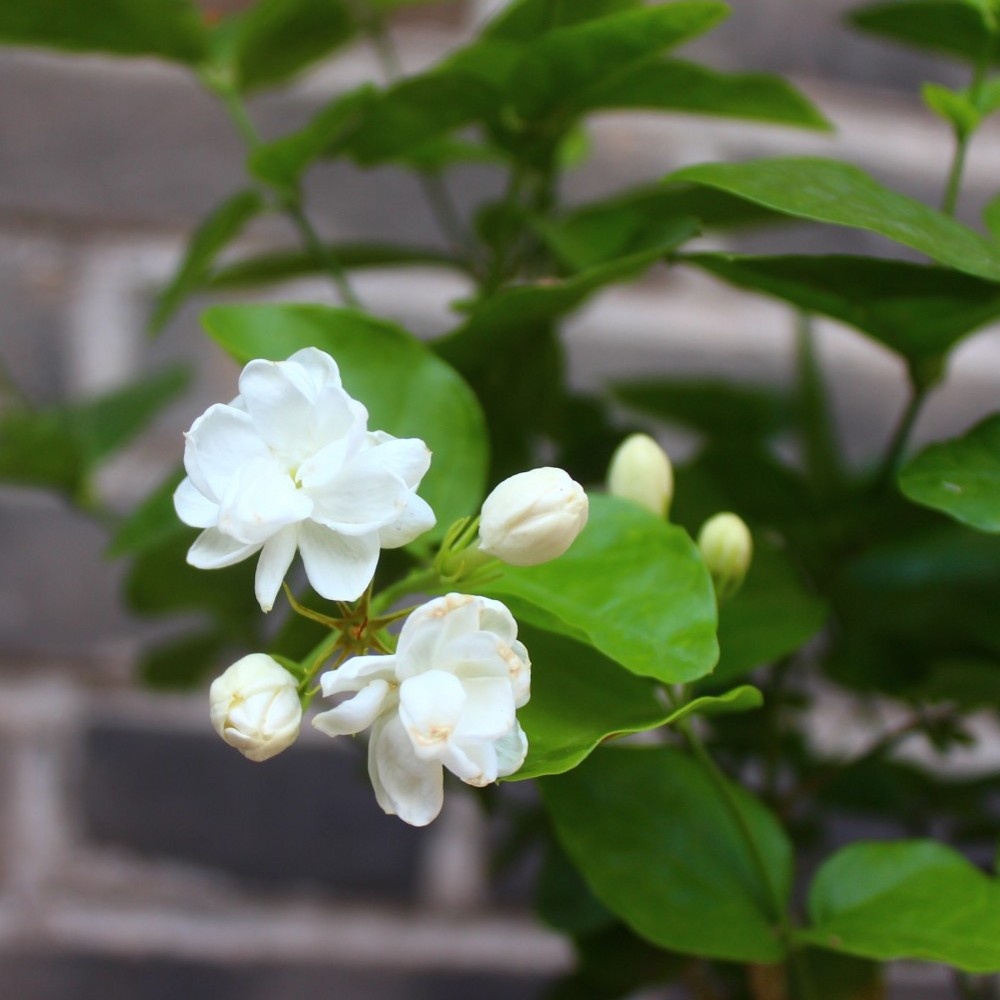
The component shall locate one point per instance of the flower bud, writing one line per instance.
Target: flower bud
(255, 707)
(726, 546)
(641, 471)
(532, 517)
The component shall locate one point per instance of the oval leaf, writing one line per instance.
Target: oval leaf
(631, 585)
(408, 391)
(960, 477)
(658, 845)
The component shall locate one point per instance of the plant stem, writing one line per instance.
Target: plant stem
(819, 444)
(290, 201)
(962, 136)
(897, 446)
(779, 909)
(418, 580)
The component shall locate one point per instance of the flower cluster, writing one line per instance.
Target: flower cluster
(445, 699)
(290, 465)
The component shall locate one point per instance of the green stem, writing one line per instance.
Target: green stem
(819, 445)
(778, 907)
(290, 202)
(949, 202)
(897, 446)
(511, 201)
(417, 581)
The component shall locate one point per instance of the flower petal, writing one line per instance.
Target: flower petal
(488, 712)
(356, 672)
(430, 708)
(511, 751)
(279, 397)
(408, 458)
(320, 368)
(412, 523)
(474, 763)
(356, 713)
(405, 786)
(339, 567)
(221, 441)
(212, 550)
(275, 558)
(427, 632)
(495, 617)
(260, 500)
(193, 507)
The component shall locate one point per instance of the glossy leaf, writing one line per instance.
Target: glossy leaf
(214, 234)
(286, 265)
(840, 194)
(563, 69)
(991, 216)
(917, 310)
(525, 20)
(659, 846)
(640, 219)
(673, 85)
(632, 586)
(906, 899)
(579, 698)
(170, 29)
(954, 107)
(276, 39)
(740, 699)
(953, 27)
(408, 391)
(960, 477)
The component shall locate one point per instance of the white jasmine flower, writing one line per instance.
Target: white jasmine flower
(641, 471)
(445, 699)
(290, 464)
(255, 707)
(533, 517)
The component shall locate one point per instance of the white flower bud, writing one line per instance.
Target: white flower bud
(533, 517)
(641, 471)
(726, 546)
(255, 707)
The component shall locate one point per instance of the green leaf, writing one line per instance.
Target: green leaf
(285, 265)
(408, 391)
(282, 162)
(960, 477)
(277, 39)
(672, 85)
(640, 219)
(659, 846)
(526, 20)
(153, 521)
(40, 448)
(991, 216)
(918, 310)
(954, 107)
(907, 899)
(740, 699)
(632, 586)
(170, 29)
(216, 232)
(559, 73)
(579, 698)
(182, 663)
(954, 27)
(843, 195)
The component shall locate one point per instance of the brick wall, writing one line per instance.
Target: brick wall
(140, 857)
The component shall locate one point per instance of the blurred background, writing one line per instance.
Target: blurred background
(141, 858)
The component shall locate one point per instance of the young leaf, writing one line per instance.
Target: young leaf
(214, 234)
(960, 477)
(840, 194)
(170, 29)
(907, 899)
(275, 39)
(632, 586)
(917, 310)
(408, 391)
(953, 106)
(954, 27)
(672, 85)
(740, 699)
(658, 845)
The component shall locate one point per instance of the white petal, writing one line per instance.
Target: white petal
(260, 500)
(475, 763)
(275, 558)
(337, 417)
(430, 708)
(279, 398)
(356, 713)
(511, 751)
(356, 673)
(410, 788)
(193, 507)
(213, 550)
(363, 496)
(321, 369)
(221, 441)
(338, 567)
(476, 654)
(412, 523)
(408, 458)
(427, 632)
(495, 617)
(488, 711)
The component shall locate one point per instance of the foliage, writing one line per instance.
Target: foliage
(876, 581)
